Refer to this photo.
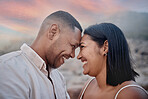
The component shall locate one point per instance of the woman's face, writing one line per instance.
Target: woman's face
(92, 56)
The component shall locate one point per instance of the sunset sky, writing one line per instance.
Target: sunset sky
(22, 18)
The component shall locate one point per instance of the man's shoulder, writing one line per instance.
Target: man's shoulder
(13, 75)
(13, 61)
(10, 55)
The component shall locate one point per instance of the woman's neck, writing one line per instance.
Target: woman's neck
(102, 82)
(101, 79)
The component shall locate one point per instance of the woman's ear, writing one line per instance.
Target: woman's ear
(105, 46)
(53, 31)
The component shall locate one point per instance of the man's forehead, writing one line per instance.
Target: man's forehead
(78, 33)
(77, 30)
(75, 36)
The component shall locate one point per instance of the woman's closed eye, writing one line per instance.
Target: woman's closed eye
(81, 46)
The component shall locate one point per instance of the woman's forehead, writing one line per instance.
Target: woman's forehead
(85, 38)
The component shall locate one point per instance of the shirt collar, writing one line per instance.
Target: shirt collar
(34, 57)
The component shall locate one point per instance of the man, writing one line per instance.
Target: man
(31, 72)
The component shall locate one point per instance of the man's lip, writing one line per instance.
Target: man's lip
(64, 58)
(67, 57)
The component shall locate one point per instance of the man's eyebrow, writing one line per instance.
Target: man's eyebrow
(77, 44)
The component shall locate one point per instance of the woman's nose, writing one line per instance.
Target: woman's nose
(79, 56)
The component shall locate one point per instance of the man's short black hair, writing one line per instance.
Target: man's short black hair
(67, 18)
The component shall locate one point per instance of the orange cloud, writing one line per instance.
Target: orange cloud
(24, 10)
(87, 4)
(26, 16)
(22, 28)
(22, 16)
(101, 6)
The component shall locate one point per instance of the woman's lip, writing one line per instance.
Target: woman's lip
(82, 60)
(84, 63)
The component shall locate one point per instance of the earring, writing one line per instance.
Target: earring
(105, 54)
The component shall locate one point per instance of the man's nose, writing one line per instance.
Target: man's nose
(72, 54)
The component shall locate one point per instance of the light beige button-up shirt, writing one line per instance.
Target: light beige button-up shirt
(23, 75)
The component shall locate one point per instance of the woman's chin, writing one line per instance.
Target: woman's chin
(85, 73)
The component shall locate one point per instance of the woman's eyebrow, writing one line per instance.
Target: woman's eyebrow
(81, 43)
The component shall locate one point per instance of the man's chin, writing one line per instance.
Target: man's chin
(56, 66)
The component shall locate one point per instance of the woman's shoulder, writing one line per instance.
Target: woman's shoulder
(85, 87)
(131, 90)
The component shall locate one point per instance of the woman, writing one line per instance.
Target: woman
(105, 54)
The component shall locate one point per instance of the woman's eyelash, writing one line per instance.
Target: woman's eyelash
(81, 46)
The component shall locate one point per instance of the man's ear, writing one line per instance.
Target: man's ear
(53, 31)
(105, 47)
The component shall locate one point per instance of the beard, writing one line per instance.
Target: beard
(54, 59)
(49, 63)
(54, 54)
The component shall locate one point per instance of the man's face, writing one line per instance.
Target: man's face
(64, 47)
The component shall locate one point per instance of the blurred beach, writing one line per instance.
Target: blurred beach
(72, 68)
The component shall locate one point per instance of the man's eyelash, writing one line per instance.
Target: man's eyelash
(73, 46)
